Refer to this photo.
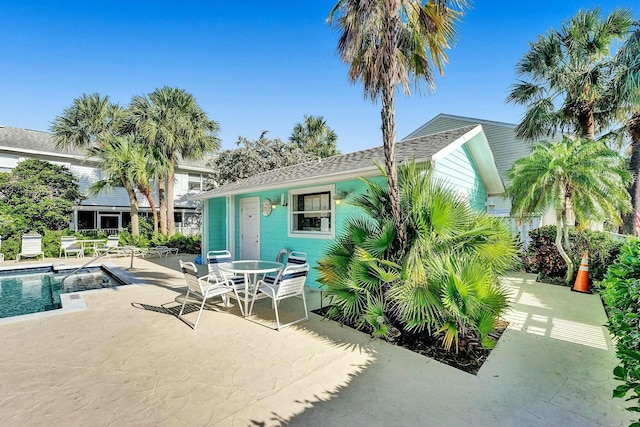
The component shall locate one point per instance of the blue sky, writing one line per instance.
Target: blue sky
(252, 65)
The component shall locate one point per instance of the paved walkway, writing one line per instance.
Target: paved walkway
(127, 360)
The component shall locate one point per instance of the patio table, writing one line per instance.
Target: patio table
(94, 242)
(250, 268)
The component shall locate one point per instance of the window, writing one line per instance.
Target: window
(311, 212)
(195, 182)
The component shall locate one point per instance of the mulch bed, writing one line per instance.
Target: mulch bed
(469, 359)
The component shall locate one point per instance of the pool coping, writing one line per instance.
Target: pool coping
(72, 301)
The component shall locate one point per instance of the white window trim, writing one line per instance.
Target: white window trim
(189, 174)
(311, 234)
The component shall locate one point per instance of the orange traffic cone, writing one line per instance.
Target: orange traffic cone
(582, 280)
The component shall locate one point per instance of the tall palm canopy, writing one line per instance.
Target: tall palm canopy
(580, 175)
(171, 120)
(565, 74)
(387, 43)
(623, 105)
(87, 121)
(313, 136)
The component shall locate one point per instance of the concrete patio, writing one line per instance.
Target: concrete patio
(127, 360)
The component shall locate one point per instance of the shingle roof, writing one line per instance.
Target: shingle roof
(30, 141)
(33, 140)
(421, 148)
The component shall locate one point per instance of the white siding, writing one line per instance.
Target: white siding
(181, 191)
(506, 147)
(8, 162)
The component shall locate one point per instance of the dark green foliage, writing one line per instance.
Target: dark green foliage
(36, 196)
(542, 256)
(620, 291)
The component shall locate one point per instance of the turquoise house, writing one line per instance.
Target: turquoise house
(303, 207)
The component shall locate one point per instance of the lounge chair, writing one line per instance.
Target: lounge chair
(69, 245)
(111, 246)
(205, 287)
(162, 251)
(289, 283)
(31, 247)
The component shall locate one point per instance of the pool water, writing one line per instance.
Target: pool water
(36, 290)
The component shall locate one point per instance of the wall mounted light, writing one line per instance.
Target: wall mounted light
(340, 196)
(274, 202)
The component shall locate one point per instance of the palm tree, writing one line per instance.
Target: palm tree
(123, 163)
(171, 121)
(569, 67)
(314, 137)
(580, 175)
(623, 104)
(89, 120)
(386, 43)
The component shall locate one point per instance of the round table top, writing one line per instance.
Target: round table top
(251, 266)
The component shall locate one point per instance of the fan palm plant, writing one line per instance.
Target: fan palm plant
(444, 279)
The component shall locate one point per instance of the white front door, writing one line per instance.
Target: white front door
(250, 228)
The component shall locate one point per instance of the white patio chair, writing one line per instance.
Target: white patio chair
(214, 258)
(31, 247)
(282, 255)
(296, 258)
(289, 283)
(69, 245)
(111, 246)
(205, 287)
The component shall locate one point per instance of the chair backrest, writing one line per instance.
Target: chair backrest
(31, 244)
(281, 255)
(297, 258)
(69, 242)
(113, 241)
(217, 257)
(191, 276)
(291, 280)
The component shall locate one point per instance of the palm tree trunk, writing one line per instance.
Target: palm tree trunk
(171, 223)
(133, 202)
(587, 121)
(561, 251)
(633, 127)
(388, 117)
(162, 199)
(152, 204)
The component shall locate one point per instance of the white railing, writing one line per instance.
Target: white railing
(99, 230)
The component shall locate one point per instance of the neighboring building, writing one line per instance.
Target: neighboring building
(506, 148)
(110, 210)
(298, 207)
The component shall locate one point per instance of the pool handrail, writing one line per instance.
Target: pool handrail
(83, 266)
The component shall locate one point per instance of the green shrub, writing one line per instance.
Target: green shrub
(620, 291)
(542, 256)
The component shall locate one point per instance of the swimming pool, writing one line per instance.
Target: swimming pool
(34, 290)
